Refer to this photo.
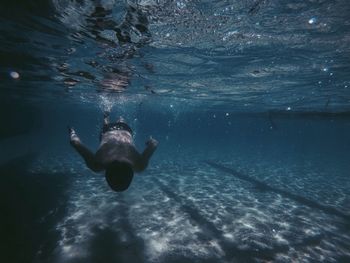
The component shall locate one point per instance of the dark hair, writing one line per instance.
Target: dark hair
(119, 175)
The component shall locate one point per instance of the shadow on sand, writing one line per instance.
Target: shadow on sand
(115, 242)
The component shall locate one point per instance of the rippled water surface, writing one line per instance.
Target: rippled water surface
(249, 101)
(246, 55)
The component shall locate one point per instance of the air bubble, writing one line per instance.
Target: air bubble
(312, 20)
(14, 75)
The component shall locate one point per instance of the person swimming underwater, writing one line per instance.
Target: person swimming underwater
(116, 155)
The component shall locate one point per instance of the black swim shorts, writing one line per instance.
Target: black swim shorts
(116, 126)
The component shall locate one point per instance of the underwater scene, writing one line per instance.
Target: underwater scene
(235, 131)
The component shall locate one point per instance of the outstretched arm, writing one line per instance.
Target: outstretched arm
(151, 146)
(84, 152)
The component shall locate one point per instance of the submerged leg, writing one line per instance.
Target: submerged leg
(121, 119)
(106, 118)
(105, 123)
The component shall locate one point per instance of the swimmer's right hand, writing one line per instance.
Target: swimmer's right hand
(73, 137)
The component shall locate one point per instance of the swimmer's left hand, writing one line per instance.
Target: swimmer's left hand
(152, 142)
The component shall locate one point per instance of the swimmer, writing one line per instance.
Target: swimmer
(117, 155)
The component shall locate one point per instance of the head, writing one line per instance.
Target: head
(119, 175)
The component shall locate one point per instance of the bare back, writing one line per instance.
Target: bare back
(117, 145)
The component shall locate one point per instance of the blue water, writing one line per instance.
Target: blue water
(249, 101)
